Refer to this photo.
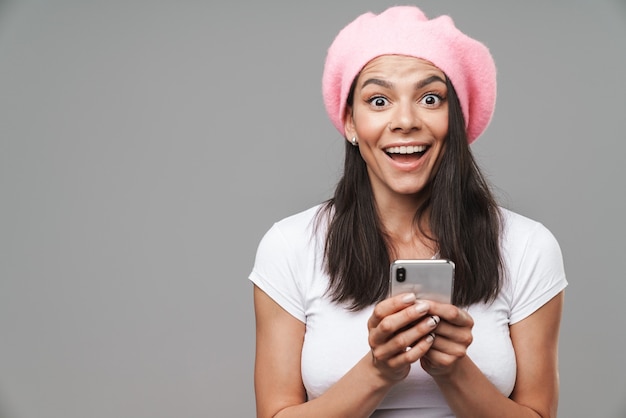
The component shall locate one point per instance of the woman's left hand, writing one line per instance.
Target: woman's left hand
(452, 337)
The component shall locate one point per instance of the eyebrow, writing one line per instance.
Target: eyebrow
(429, 80)
(421, 84)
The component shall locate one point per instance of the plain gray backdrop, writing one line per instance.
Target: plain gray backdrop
(146, 146)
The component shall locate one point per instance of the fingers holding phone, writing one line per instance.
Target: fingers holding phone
(402, 328)
(433, 281)
(452, 338)
(399, 334)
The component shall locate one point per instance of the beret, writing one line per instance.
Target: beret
(405, 30)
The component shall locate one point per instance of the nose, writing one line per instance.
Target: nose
(405, 118)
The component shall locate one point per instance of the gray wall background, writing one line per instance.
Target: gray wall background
(146, 146)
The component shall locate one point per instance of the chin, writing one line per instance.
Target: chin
(409, 191)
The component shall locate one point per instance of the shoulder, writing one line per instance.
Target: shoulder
(300, 221)
(520, 233)
(534, 264)
(293, 232)
(515, 222)
(286, 262)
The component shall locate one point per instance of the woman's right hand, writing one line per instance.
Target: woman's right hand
(400, 333)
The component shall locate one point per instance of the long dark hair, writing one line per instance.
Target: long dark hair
(464, 223)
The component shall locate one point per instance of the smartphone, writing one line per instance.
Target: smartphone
(428, 279)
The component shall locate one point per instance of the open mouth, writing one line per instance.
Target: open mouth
(406, 153)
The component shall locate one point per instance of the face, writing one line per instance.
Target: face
(400, 119)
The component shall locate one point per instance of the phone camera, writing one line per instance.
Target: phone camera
(400, 274)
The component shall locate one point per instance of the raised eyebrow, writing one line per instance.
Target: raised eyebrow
(419, 85)
(429, 80)
(378, 82)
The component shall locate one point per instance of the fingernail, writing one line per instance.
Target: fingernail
(434, 321)
(430, 338)
(421, 307)
(408, 298)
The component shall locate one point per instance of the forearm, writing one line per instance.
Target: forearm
(356, 394)
(470, 394)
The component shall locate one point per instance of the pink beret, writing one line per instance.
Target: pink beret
(405, 30)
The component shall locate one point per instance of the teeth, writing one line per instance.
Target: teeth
(406, 150)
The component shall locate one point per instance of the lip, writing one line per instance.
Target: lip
(411, 165)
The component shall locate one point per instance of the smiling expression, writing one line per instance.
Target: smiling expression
(400, 118)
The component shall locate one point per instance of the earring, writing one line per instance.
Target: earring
(355, 143)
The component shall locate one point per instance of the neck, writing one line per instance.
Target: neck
(407, 239)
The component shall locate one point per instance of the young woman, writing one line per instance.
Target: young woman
(409, 94)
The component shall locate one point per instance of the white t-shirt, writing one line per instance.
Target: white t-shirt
(289, 268)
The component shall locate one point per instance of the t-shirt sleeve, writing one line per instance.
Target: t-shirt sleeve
(540, 276)
(275, 272)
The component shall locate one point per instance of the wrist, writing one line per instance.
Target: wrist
(379, 381)
(451, 375)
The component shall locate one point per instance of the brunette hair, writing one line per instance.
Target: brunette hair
(464, 222)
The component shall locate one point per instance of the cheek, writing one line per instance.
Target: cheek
(368, 127)
(440, 125)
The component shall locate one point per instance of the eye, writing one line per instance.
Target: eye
(431, 100)
(378, 101)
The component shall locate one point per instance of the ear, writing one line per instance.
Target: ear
(349, 129)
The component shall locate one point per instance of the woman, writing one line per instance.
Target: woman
(409, 94)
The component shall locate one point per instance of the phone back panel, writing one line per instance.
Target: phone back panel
(428, 279)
